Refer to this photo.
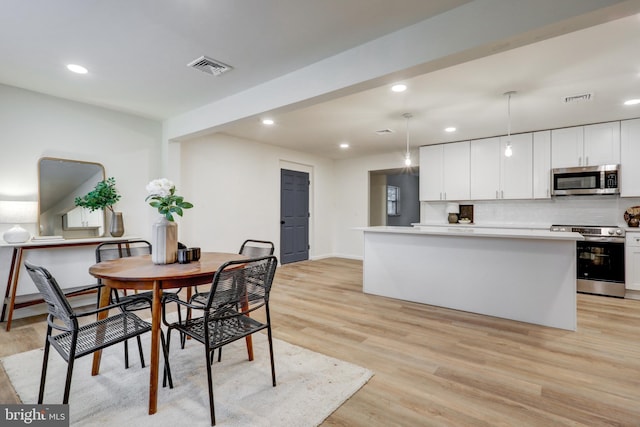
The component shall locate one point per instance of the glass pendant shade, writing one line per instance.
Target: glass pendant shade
(508, 151)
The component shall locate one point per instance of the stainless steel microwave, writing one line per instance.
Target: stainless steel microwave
(604, 179)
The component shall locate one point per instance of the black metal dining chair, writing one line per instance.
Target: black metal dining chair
(251, 248)
(238, 289)
(141, 301)
(75, 338)
(256, 248)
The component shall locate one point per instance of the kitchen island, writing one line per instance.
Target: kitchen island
(527, 275)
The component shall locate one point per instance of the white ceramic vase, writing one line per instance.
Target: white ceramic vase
(164, 241)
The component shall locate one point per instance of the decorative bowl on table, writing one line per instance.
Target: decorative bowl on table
(464, 221)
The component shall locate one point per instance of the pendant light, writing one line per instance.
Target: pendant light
(407, 156)
(508, 151)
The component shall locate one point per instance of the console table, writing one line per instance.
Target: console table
(16, 265)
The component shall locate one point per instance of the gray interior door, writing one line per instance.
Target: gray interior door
(294, 216)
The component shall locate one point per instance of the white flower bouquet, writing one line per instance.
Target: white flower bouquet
(162, 196)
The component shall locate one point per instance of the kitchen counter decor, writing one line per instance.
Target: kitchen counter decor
(632, 216)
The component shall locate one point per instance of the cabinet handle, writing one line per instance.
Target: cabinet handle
(586, 162)
(496, 194)
(580, 161)
(502, 194)
(445, 195)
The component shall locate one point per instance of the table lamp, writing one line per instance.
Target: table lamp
(17, 212)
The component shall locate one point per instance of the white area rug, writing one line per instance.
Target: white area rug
(310, 386)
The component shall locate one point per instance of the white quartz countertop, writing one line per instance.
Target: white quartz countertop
(458, 230)
(537, 226)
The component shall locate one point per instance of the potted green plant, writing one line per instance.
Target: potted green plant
(104, 196)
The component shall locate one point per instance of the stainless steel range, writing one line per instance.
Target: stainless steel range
(600, 259)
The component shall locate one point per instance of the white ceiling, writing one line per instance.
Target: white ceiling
(137, 54)
(137, 51)
(603, 60)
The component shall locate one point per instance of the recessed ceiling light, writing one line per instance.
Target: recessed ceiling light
(267, 122)
(400, 87)
(632, 102)
(344, 145)
(450, 129)
(79, 69)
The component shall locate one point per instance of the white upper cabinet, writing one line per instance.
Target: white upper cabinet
(542, 164)
(589, 145)
(630, 154)
(485, 169)
(456, 171)
(495, 176)
(431, 172)
(602, 144)
(567, 147)
(516, 172)
(444, 171)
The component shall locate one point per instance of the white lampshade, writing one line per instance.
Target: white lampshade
(17, 212)
(453, 208)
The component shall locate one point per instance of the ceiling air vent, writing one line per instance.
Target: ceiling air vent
(384, 131)
(577, 98)
(208, 65)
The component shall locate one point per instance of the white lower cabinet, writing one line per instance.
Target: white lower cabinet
(632, 261)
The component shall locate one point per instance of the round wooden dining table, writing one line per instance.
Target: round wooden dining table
(140, 273)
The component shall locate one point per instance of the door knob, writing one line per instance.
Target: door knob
(281, 222)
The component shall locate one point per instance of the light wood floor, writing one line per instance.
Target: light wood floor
(439, 367)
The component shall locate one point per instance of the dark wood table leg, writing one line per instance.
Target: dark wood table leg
(14, 285)
(156, 309)
(105, 299)
(9, 282)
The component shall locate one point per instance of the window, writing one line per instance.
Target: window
(393, 200)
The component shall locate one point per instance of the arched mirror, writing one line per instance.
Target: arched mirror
(60, 181)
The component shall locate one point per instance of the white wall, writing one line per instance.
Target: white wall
(352, 199)
(234, 185)
(34, 125)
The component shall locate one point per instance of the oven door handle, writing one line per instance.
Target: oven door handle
(604, 239)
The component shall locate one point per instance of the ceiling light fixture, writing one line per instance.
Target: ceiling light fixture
(400, 87)
(407, 156)
(344, 145)
(78, 69)
(267, 122)
(450, 129)
(508, 151)
(632, 102)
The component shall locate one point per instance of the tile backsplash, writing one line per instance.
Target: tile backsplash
(579, 210)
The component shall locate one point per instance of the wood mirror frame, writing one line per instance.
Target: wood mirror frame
(60, 181)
